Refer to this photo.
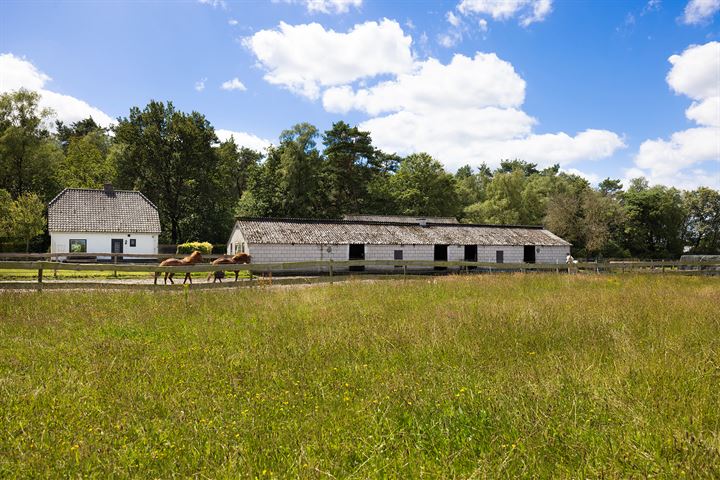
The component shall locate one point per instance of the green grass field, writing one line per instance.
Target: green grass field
(546, 376)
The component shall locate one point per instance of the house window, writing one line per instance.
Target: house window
(398, 255)
(133, 242)
(78, 246)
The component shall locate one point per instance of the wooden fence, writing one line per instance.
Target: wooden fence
(330, 268)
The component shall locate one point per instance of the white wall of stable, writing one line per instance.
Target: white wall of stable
(102, 242)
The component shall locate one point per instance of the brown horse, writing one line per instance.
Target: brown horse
(194, 257)
(236, 259)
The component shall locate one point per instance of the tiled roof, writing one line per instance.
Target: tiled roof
(303, 231)
(399, 218)
(85, 210)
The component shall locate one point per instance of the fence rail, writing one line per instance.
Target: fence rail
(402, 267)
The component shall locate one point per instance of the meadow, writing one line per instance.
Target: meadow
(490, 376)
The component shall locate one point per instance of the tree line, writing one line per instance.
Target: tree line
(199, 183)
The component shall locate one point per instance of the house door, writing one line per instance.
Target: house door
(499, 256)
(529, 254)
(440, 255)
(116, 245)
(357, 252)
(470, 255)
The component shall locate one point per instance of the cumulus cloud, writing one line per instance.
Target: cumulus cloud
(305, 58)
(244, 139)
(20, 73)
(700, 11)
(527, 11)
(234, 84)
(690, 157)
(468, 111)
(465, 82)
(200, 84)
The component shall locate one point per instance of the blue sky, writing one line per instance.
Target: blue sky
(407, 71)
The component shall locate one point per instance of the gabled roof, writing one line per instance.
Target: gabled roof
(340, 232)
(86, 210)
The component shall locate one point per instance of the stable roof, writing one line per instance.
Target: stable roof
(339, 232)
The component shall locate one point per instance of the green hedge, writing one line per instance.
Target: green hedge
(203, 247)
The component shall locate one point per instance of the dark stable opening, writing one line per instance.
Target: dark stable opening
(529, 254)
(117, 245)
(357, 252)
(470, 255)
(499, 256)
(440, 255)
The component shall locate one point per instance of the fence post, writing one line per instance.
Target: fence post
(40, 278)
(404, 270)
(330, 270)
(115, 261)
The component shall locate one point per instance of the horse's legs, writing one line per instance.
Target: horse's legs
(187, 277)
(170, 276)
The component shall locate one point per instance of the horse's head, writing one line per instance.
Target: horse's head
(241, 258)
(195, 257)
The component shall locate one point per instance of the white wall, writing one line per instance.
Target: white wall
(285, 252)
(101, 242)
(236, 243)
(554, 254)
(276, 253)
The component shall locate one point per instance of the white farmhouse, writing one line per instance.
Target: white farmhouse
(103, 221)
(271, 240)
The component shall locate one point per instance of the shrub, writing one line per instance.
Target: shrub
(203, 247)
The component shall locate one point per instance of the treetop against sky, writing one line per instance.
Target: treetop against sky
(605, 89)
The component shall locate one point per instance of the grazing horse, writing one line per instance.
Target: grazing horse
(236, 259)
(194, 257)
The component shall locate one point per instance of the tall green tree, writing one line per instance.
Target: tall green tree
(27, 218)
(655, 220)
(28, 153)
(421, 186)
(87, 163)
(169, 156)
(702, 230)
(5, 204)
(300, 173)
(237, 164)
(351, 164)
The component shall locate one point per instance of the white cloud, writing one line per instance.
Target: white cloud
(234, 84)
(593, 178)
(304, 58)
(465, 82)
(467, 111)
(528, 11)
(452, 19)
(327, 6)
(700, 11)
(232, 22)
(244, 139)
(690, 157)
(200, 84)
(19, 73)
(482, 23)
(214, 3)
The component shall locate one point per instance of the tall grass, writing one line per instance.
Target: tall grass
(459, 377)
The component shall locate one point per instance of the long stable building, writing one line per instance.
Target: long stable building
(272, 240)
